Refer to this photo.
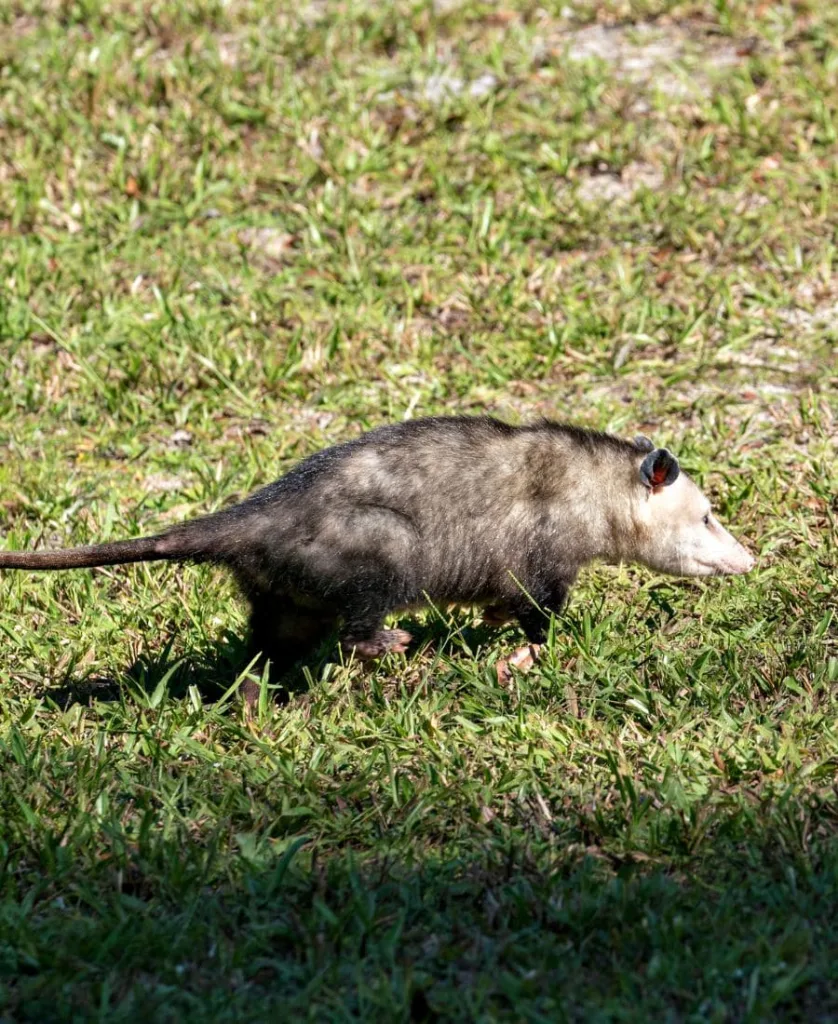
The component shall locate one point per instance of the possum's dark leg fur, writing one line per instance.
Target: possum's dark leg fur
(284, 633)
(533, 608)
(363, 636)
(497, 615)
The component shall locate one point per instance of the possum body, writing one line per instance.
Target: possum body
(460, 510)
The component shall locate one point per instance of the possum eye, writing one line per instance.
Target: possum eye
(706, 519)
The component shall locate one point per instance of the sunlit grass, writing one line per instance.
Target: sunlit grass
(236, 233)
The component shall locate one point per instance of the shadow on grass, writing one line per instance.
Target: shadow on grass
(211, 669)
(509, 923)
(215, 667)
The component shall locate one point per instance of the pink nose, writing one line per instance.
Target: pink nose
(748, 561)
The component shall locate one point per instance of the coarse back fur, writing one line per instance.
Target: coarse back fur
(454, 509)
(444, 506)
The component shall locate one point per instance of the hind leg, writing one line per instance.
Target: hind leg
(283, 634)
(364, 637)
(497, 614)
(376, 644)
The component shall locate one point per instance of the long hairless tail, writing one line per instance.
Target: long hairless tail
(179, 543)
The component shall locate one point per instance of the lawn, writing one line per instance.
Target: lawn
(232, 233)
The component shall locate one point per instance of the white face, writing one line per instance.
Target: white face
(684, 538)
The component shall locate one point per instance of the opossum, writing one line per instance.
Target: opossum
(452, 510)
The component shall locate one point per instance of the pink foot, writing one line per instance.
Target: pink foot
(523, 659)
(379, 644)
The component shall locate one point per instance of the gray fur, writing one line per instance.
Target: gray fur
(461, 510)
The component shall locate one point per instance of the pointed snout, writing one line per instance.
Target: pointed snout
(737, 562)
(746, 562)
(732, 558)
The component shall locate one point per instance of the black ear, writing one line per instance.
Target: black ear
(659, 469)
(643, 444)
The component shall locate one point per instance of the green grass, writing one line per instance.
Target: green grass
(235, 233)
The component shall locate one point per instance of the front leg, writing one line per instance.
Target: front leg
(533, 609)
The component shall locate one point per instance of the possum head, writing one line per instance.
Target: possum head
(677, 531)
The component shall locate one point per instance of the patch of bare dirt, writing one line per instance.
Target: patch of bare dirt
(606, 187)
(678, 60)
(161, 483)
(229, 46)
(22, 26)
(823, 316)
(272, 244)
(445, 84)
